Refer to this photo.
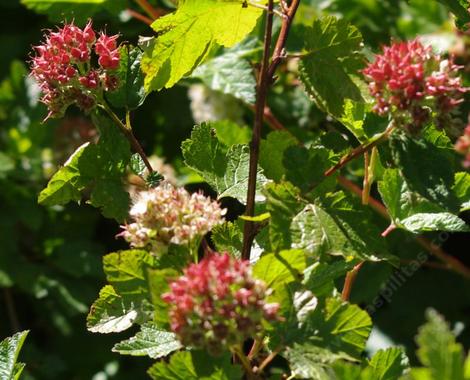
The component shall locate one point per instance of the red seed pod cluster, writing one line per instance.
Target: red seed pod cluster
(217, 304)
(463, 146)
(63, 69)
(410, 82)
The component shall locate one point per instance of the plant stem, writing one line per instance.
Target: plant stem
(451, 262)
(264, 81)
(268, 360)
(126, 129)
(282, 39)
(360, 150)
(261, 93)
(349, 281)
(139, 16)
(245, 362)
(149, 9)
(255, 348)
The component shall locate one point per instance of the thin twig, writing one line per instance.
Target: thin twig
(435, 250)
(268, 360)
(139, 16)
(429, 264)
(451, 262)
(127, 131)
(360, 150)
(349, 282)
(261, 89)
(265, 8)
(282, 39)
(149, 9)
(244, 362)
(255, 348)
(264, 81)
(11, 310)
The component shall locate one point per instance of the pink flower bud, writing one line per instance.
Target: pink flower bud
(408, 76)
(217, 304)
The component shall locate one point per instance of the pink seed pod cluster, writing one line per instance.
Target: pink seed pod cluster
(166, 214)
(463, 146)
(62, 66)
(410, 83)
(217, 304)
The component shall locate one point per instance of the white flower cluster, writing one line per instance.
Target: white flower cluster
(167, 214)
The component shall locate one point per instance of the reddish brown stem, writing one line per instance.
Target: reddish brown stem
(282, 39)
(149, 9)
(264, 81)
(359, 151)
(349, 282)
(261, 93)
(450, 262)
(435, 250)
(140, 17)
(127, 132)
(268, 360)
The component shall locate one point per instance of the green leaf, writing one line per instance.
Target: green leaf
(111, 313)
(99, 167)
(438, 349)
(150, 341)
(319, 277)
(77, 10)
(127, 300)
(228, 237)
(461, 189)
(230, 133)
(305, 167)
(186, 37)
(459, 8)
(425, 167)
(308, 361)
(137, 164)
(230, 73)
(388, 364)
(337, 330)
(276, 269)
(413, 212)
(353, 118)
(130, 93)
(334, 44)
(283, 203)
(196, 365)
(9, 351)
(66, 185)
(320, 232)
(225, 173)
(443, 221)
(346, 327)
(272, 152)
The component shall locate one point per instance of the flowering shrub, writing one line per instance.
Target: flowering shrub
(166, 214)
(64, 71)
(217, 304)
(292, 235)
(409, 82)
(463, 146)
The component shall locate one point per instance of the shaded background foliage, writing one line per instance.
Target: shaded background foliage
(50, 257)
